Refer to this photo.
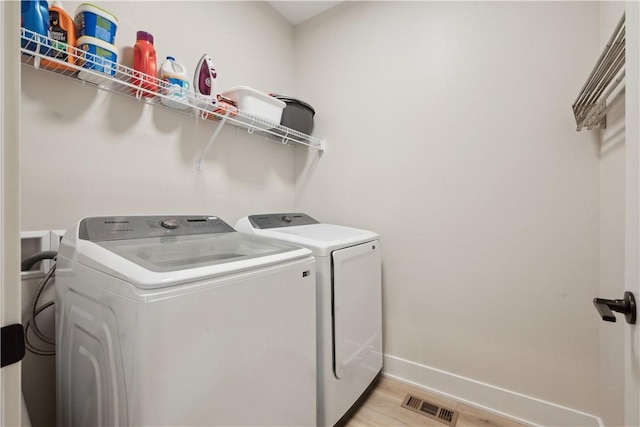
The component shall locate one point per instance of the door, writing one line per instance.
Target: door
(10, 305)
(619, 376)
(632, 211)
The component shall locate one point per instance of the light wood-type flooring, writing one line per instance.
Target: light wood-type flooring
(382, 408)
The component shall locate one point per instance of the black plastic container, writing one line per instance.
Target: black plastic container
(297, 115)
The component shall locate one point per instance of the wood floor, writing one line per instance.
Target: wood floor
(383, 408)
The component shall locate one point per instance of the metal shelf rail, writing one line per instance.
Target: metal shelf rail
(590, 107)
(42, 53)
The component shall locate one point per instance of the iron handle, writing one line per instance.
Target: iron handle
(626, 306)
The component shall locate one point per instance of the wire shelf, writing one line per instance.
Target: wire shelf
(45, 54)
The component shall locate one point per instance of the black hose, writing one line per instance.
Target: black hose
(34, 305)
(35, 258)
(33, 349)
(31, 323)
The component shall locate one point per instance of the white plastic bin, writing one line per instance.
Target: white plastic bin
(258, 104)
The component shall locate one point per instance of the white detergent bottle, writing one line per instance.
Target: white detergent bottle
(175, 84)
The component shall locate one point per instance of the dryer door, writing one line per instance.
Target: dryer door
(357, 309)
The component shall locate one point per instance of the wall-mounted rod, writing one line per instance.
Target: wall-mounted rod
(599, 87)
(612, 63)
(602, 55)
(597, 114)
(591, 101)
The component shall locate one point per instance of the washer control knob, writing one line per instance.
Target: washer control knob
(287, 218)
(169, 223)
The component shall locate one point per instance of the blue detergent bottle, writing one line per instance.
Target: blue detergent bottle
(35, 20)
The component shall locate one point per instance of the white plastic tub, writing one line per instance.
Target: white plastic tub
(98, 56)
(256, 103)
(95, 22)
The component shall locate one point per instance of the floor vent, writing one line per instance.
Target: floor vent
(428, 409)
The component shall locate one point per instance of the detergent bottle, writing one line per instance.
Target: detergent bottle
(62, 31)
(144, 64)
(174, 85)
(35, 20)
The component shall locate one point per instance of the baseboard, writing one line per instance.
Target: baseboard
(518, 407)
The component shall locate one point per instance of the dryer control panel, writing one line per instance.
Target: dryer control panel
(97, 229)
(280, 220)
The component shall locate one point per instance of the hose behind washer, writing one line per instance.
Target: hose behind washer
(29, 262)
(26, 265)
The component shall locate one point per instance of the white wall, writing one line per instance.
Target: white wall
(451, 133)
(86, 152)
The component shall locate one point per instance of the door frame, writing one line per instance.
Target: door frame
(632, 208)
(10, 297)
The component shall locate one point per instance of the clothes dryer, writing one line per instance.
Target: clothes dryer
(349, 310)
(181, 320)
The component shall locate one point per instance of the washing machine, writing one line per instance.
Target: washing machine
(182, 321)
(349, 298)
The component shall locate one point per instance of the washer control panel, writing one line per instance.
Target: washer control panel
(280, 220)
(98, 229)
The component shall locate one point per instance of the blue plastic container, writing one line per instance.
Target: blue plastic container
(95, 22)
(35, 20)
(98, 55)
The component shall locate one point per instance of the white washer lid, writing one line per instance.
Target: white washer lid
(159, 262)
(322, 239)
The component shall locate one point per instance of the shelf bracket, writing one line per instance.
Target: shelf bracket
(210, 143)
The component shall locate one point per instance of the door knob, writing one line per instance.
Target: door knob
(626, 306)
